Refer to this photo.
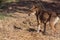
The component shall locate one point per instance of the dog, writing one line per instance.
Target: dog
(45, 16)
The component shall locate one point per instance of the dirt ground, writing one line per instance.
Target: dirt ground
(20, 26)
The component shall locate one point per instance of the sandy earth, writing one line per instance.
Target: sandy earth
(21, 27)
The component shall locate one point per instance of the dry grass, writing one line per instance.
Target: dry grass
(15, 28)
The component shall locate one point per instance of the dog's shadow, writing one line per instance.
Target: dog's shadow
(32, 30)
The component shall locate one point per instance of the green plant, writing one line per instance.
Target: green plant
(2, 16)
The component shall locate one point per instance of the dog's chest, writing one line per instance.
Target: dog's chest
(44, 17)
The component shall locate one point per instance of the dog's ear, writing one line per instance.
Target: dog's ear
(33, 7)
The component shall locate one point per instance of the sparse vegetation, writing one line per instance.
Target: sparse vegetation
(2, 16)
(2, 1)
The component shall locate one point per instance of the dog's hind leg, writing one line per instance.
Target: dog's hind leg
(53, 22)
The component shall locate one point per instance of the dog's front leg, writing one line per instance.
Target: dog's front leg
(38, 23)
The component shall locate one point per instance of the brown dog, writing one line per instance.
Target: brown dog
(44, 17)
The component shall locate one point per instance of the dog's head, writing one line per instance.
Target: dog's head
(34, 10)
